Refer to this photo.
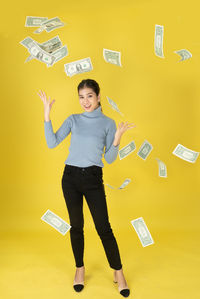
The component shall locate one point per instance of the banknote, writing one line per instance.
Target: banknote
(40, 54)
(142, 231)
(78, 67)
(49, 46)
(162, 168)
(144, 150)
(185, 153)
(127, 150)
(185, 54)
(113, 57)
(27, 42)
(50, 25)
(56, 222)
(34, 21)
(114, 106)
(158, 40)
(60, 53)
(124, 184)
(110, 186)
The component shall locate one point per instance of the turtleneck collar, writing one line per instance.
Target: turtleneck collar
(96, 112)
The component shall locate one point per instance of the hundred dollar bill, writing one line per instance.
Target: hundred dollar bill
(78, 67)
(34, 21)
(162, 168)
(142, 232)
(185, 54)
(127, 150)
(50, 25)
(185, 153)
(124, 184)
(113, 57)
(114, 105)
(144, 150)
(158, 41)
(56, 222)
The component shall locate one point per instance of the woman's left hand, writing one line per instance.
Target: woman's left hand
(123, 127)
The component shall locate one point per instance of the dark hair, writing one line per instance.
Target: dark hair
(90, 83)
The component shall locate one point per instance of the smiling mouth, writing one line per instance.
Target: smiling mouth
(87, 107)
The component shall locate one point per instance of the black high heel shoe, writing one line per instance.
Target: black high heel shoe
(125, 292)
(78, 286)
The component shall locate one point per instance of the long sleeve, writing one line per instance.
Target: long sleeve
(111, 151)
(53, 139)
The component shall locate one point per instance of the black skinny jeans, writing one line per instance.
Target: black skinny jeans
(88, 181)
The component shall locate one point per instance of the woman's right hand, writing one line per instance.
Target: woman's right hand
(47, 103)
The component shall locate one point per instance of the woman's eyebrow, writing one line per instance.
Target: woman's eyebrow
(80, 95)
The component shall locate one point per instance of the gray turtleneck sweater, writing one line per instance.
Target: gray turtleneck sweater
(90, 132)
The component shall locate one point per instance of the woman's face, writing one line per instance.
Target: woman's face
(88, 99)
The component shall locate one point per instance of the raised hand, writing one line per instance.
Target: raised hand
(47, 103)
(123, 127)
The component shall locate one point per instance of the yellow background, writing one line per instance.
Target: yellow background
(160, 95)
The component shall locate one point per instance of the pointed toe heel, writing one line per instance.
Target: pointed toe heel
(78, 287)
(125, 292)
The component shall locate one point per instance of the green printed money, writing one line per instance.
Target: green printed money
(145, 150)
(126, 150)
(185, 153)
(162, 172)
(142, 231)
(158, 40)
(185, 54)
(34, 21)
(56, 222)
(78, 67)
(113, 57)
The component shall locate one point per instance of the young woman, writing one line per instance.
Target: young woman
(91, 131)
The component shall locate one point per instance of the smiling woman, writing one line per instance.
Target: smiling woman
(91, 132)
(89, 94)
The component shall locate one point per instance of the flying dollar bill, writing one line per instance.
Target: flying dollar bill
(114, 105)
(123, 185)
(144, 150)
(142, 232)
(34, 21)
(56, 222)
(110, 186)
(126, 150)
(78, 67)
(52, 46)
(60, 53)
(49, 46)
(27, 42)
(50, 25)
(113, 57)
(185, 153)
(158, 40)
(41, 55)
(162, 168)
(36, 51)
(185, 54)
